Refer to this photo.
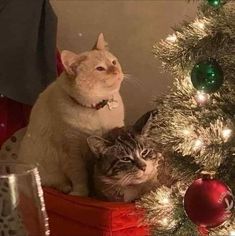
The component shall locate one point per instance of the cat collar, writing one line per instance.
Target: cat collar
(111, 103)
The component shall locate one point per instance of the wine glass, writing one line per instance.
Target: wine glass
(22, 209)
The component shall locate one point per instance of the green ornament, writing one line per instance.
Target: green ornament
(207, 76)
(214, 3)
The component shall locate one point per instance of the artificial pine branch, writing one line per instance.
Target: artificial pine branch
(179, 109)
(182, 122)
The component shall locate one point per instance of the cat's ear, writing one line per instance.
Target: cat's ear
(70, 62)
(101, 44)
(144, 124)
(97, 144)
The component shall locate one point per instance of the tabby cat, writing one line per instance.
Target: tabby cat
(127, 165)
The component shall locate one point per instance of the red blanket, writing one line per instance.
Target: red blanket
(79, 216)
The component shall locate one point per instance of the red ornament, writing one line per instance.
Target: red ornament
(208, 202)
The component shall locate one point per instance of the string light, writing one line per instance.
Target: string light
(187, 131)
(188, 78)
(172, 38)
(199, 24)
(226, 133)
(164, 221)
(198, 144)
(201, 97)
(165, 201)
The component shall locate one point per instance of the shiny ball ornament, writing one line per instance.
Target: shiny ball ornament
(207, 76)
(208, 202)
(214, 3)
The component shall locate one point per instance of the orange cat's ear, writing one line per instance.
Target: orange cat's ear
(69, 61)
(101, 44)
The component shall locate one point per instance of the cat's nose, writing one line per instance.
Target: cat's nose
(113, 70)
(142, 166)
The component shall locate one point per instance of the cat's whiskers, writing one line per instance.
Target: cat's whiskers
(125, 180)
(129, 78)
(126, 76)
(106, 180)
(109, 188)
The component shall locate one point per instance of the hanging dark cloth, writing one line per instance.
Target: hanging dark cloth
(27, 48)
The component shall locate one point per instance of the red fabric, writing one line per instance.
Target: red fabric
(13, 116)
(75, 216)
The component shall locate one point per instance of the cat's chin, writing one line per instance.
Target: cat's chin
(114, 83)
(115, 87)
(108, 93)
(116, 90)
(142, 179)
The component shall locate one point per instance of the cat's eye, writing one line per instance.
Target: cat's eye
(126, 159)
(114, 62)
(100, 68)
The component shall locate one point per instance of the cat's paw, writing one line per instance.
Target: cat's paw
(79, 191)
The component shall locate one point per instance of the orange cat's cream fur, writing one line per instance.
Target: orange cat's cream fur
(64, 115)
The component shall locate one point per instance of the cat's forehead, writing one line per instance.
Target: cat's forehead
(99, 55)
(129, 140)
(123, 145)
(115, 150)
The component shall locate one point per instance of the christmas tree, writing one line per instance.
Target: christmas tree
(196, 125)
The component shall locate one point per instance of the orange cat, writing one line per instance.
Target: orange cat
(83, 101)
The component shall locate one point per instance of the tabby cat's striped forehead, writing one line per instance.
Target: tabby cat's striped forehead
(129, 142)
(128, 158)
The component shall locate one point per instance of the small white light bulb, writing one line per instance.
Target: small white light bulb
(198, 144)
(199, 24)
(164, 221)
(188, 78)
(187, 131)
(232, 233)
(201, 97)
(172, 38)
(226, 133)
(165, 200)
